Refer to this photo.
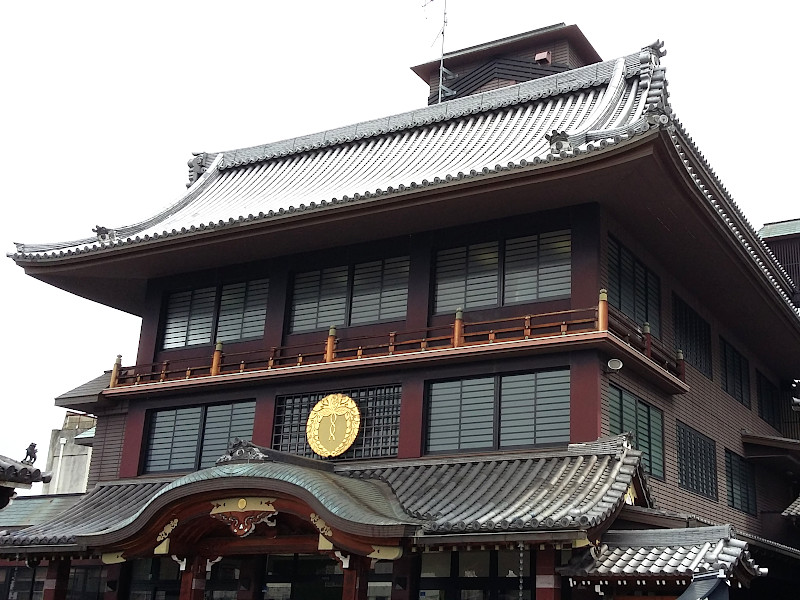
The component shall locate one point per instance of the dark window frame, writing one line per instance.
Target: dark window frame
(692, 336)
(734, 372)
(653, 466)
(199, 434)
(769, 401)
(219, 289)
(697, 462)
(643, 296)
(497, 407)
(349, 295)
(741, 483)
(501, 272)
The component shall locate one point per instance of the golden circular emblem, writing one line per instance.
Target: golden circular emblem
(333, 425)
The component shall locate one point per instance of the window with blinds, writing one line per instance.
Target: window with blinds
(735, 373)
(380, 422)
(364, 293)
(692, 335)
(498, 412)
(524, 269)
(198, 317)
(195, 437)
(741, 483)
(628, 413)
(697, 462)
(769, 401)
(633, 288)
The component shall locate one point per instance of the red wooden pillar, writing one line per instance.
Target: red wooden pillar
(193, 579)
(548, 582)
(354, 586)
(56, 579)
(115, 579)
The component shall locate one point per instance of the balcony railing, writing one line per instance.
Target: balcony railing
(456, 334)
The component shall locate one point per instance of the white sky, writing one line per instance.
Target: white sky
(102, 103)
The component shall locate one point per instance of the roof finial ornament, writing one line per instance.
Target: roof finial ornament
(559, 141)
(30, 454)
(658, 48)
(197, 166)
(104, 234)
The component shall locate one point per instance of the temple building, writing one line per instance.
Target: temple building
(518, 343)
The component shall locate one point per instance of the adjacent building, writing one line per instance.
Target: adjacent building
(520, 343)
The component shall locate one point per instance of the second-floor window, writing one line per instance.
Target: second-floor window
(628, 413)
(498, 412)
(633, 288)
(741, 483)
(195, 437)
(735, 373)
(692, 335)
(350, 295)
(769, 401)
(697, 462)
(496, 273)
(235, 311)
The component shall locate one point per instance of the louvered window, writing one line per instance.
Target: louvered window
(741, 483)
(511, 271)
(195, 317)
(365, 293)
(692, 335)
(697, 462)
(633, 288)
(735, 373)
(195, 437)
(628, 413)
(498, 412)
(769, 401)
(380, 422)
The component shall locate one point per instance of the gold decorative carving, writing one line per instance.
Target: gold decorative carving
(386, 552)
(227, 505)
(333, 425)
(112, 558)
(168, 528)
(162, 548)
(243, 514)
(320, 524)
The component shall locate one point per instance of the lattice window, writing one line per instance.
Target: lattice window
(380, 422)
(633, 288)
(628, 413)
(741, 483)
(735, 373)
(769, 401)
(487, 274)
(692, 335)
(498, 412)
(697, 462)
(195, 437)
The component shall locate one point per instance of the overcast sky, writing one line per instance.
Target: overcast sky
(102, 104)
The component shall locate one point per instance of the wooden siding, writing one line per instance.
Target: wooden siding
(107, 448)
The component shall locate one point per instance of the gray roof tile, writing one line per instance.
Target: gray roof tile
(26, 511)
(14, 471)
(780, 228)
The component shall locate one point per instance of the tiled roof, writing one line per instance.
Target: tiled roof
(773, 230)
(103, 508)
(87, 391)
(598, 106)
(573, 489)
(26, 511)
(793, 510)
(14, 471)
(665, 552)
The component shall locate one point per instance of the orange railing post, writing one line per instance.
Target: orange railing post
(602, 311)
(115, 372)
(458, 329)
(330, 345)
(648, 339)
(216, 360)
(681, 364)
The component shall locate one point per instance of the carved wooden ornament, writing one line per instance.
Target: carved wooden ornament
(333, 425)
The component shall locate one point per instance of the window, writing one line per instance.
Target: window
(629, 413)
(522, 269)
(741, 483)
(380, 422)
(633, 288)
(735, 373)
(473, 574)
(692, 335)
(769, 401)
(192, 317)
(498, 412)
(86, 583)
(697, 462)
(195, 437)
(365, 293)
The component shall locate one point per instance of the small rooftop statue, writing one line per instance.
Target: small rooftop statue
(30, 454)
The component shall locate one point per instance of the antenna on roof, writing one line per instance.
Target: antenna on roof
(443, 90)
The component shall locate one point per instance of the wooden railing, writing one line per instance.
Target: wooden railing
(456, 334)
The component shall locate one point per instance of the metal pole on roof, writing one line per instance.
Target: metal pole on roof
(441, 60)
